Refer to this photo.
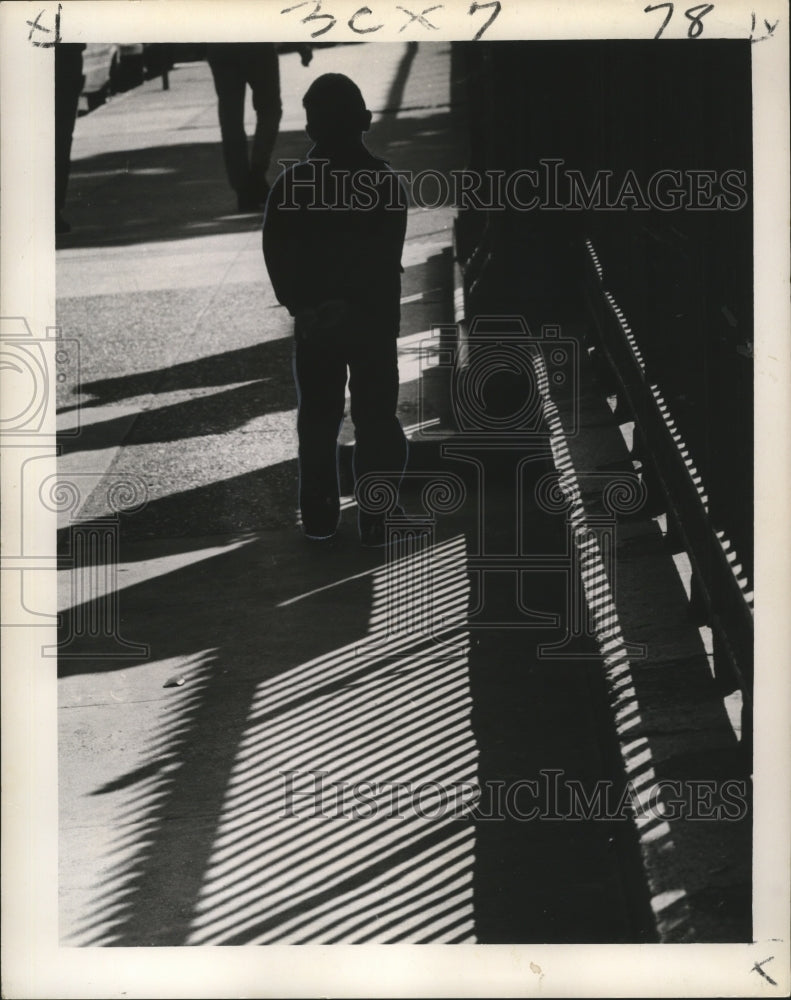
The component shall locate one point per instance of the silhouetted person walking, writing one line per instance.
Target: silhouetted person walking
(234, 67)
(333, 235)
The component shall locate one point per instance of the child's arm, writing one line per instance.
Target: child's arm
(395, 218)
(280, 248)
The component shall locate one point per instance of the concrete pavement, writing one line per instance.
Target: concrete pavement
(218, 788)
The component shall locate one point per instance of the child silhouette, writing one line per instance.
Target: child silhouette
(333, 235)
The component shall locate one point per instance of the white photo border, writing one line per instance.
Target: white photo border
(34, 965)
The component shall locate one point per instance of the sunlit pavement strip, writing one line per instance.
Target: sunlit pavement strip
(74, 583)
(221, 259)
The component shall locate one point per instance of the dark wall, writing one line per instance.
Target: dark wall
(683, 276)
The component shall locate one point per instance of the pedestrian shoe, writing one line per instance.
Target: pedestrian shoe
(373, 536)
(322, 520)
(373, 530)
(320, 529)
(318, 536)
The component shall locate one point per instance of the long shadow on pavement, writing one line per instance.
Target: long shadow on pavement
(177, 192)
(290, 674)
(229, 367)
(216, 413)
(293, 668)
(168, 192)
(268, 359)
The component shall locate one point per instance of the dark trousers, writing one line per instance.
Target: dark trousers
(234, 67)
(321, 364)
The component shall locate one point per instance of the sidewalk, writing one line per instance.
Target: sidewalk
(272, 769)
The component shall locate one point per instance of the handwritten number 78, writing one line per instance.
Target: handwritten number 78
(693, 14)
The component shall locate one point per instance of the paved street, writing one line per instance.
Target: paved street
(263, 746)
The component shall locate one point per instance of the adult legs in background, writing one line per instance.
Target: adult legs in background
(234, 67)
(229, 83)
(263, 75)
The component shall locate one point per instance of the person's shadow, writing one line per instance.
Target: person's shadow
(286, 667)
